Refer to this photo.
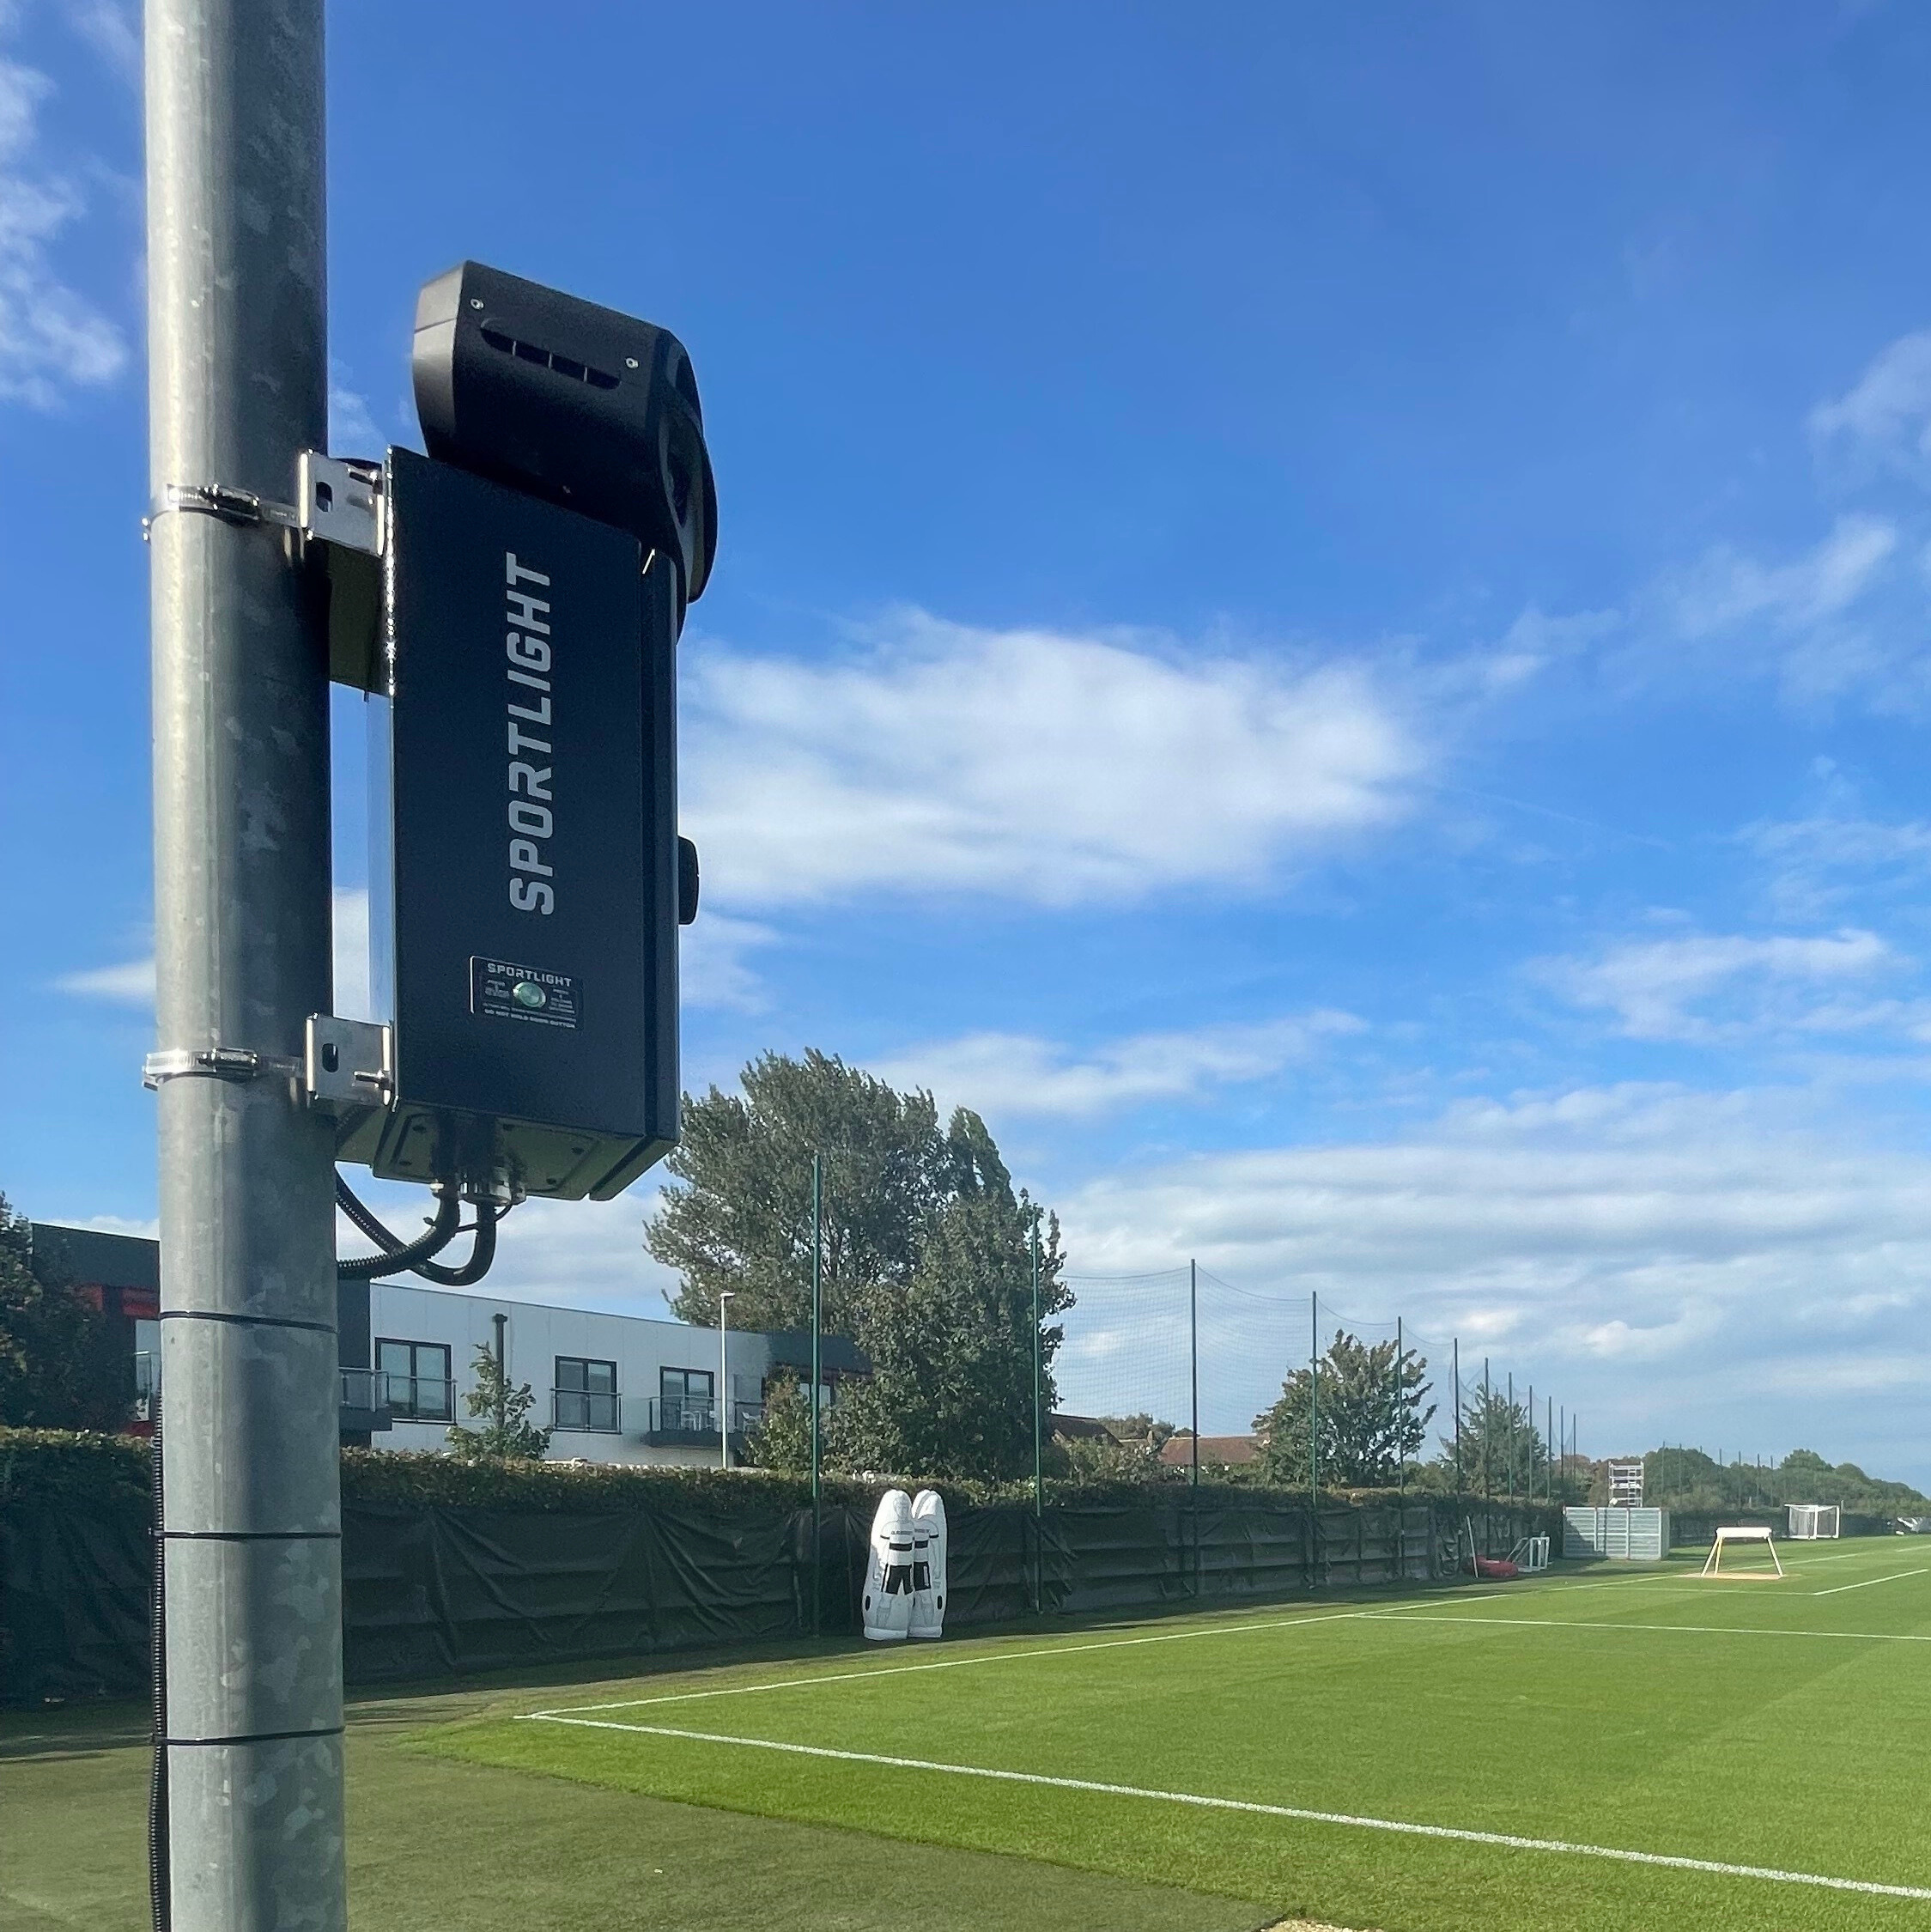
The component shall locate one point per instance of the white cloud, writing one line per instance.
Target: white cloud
(51, 337)
(128, 984)
(1671, 1262)
(354, 999)
(131, 983)
(113, 31)
(1888, 410)
(1052, 768)
(1728, 589)
(352, 426)
(1006, 1075)
(1652, 986)
(1817, 863)
(711, 964)
(567, 1254)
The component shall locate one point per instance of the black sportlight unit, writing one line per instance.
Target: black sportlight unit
(591, 409)
(536, 569)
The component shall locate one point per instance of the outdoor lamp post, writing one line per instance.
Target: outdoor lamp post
(724, 1376)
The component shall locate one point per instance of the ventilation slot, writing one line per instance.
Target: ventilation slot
(530, 352)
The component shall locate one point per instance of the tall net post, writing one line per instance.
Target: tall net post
(1039, 1440)
(1314, 1416)
(1457, 1351)
(1194, 1403)
(817, 1391)
(1401, 1422)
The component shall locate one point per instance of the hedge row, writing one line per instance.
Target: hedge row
(37, 1463)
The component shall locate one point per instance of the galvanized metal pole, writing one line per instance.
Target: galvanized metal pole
(1455, 1344)
(817, 1393)
(238, 385)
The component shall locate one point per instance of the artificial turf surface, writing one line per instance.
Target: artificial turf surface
(433, 1843)
(1782, 1725)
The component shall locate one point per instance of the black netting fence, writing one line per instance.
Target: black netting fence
(434, 1590)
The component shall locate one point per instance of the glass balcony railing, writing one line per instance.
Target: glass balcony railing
(695, 1417)
(589, 1410)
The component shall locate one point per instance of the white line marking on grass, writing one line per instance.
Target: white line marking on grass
(954, 1663)
(1671, 1630)
(1402, 1826)
(1866, 1583)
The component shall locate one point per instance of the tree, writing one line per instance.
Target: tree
(926, 1263)
(952, 1389)
(61, 1364)
(1496, 1436)
(1367, 1418)
(509, 1435)
(741, 1218)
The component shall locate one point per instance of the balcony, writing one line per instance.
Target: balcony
(586, 1411)
(410, 1398)
(365, 1398)
(691, 1421)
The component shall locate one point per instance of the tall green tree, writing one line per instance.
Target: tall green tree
(1368, 1417)
(738, 1214)
(927, 1257)
(61, 1366)
(952, 1389)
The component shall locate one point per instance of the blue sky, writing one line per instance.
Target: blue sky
(1322, 613)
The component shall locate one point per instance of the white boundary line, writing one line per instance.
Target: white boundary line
(1369, 1615)
(1865, 1584)
(1398, 1826)
(1683, 1630)
(955, 1663)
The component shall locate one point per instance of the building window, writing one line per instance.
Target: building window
(684, 1399)
(584, 1396)
(412, 1381)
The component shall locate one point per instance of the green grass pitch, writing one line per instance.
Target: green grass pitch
(1613, 1747)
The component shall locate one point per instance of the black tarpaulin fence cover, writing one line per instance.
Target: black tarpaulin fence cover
(437, 1590)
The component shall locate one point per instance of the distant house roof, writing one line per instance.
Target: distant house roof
(1177, 1451)
(1079, 1428)
(87, 1257)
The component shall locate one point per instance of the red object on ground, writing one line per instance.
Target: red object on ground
(1498, 1568)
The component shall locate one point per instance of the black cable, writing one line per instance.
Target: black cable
(395, 1254)
(481, 1255)
(158, 1902)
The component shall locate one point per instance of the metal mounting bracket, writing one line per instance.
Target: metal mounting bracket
(348, 1066)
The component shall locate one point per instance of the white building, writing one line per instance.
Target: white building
(610, 1387)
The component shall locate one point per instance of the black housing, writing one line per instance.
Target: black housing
(533, 876)
(594, 410)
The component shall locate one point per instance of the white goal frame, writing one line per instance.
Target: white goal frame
(1812, 1523)
(1741, 1533)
